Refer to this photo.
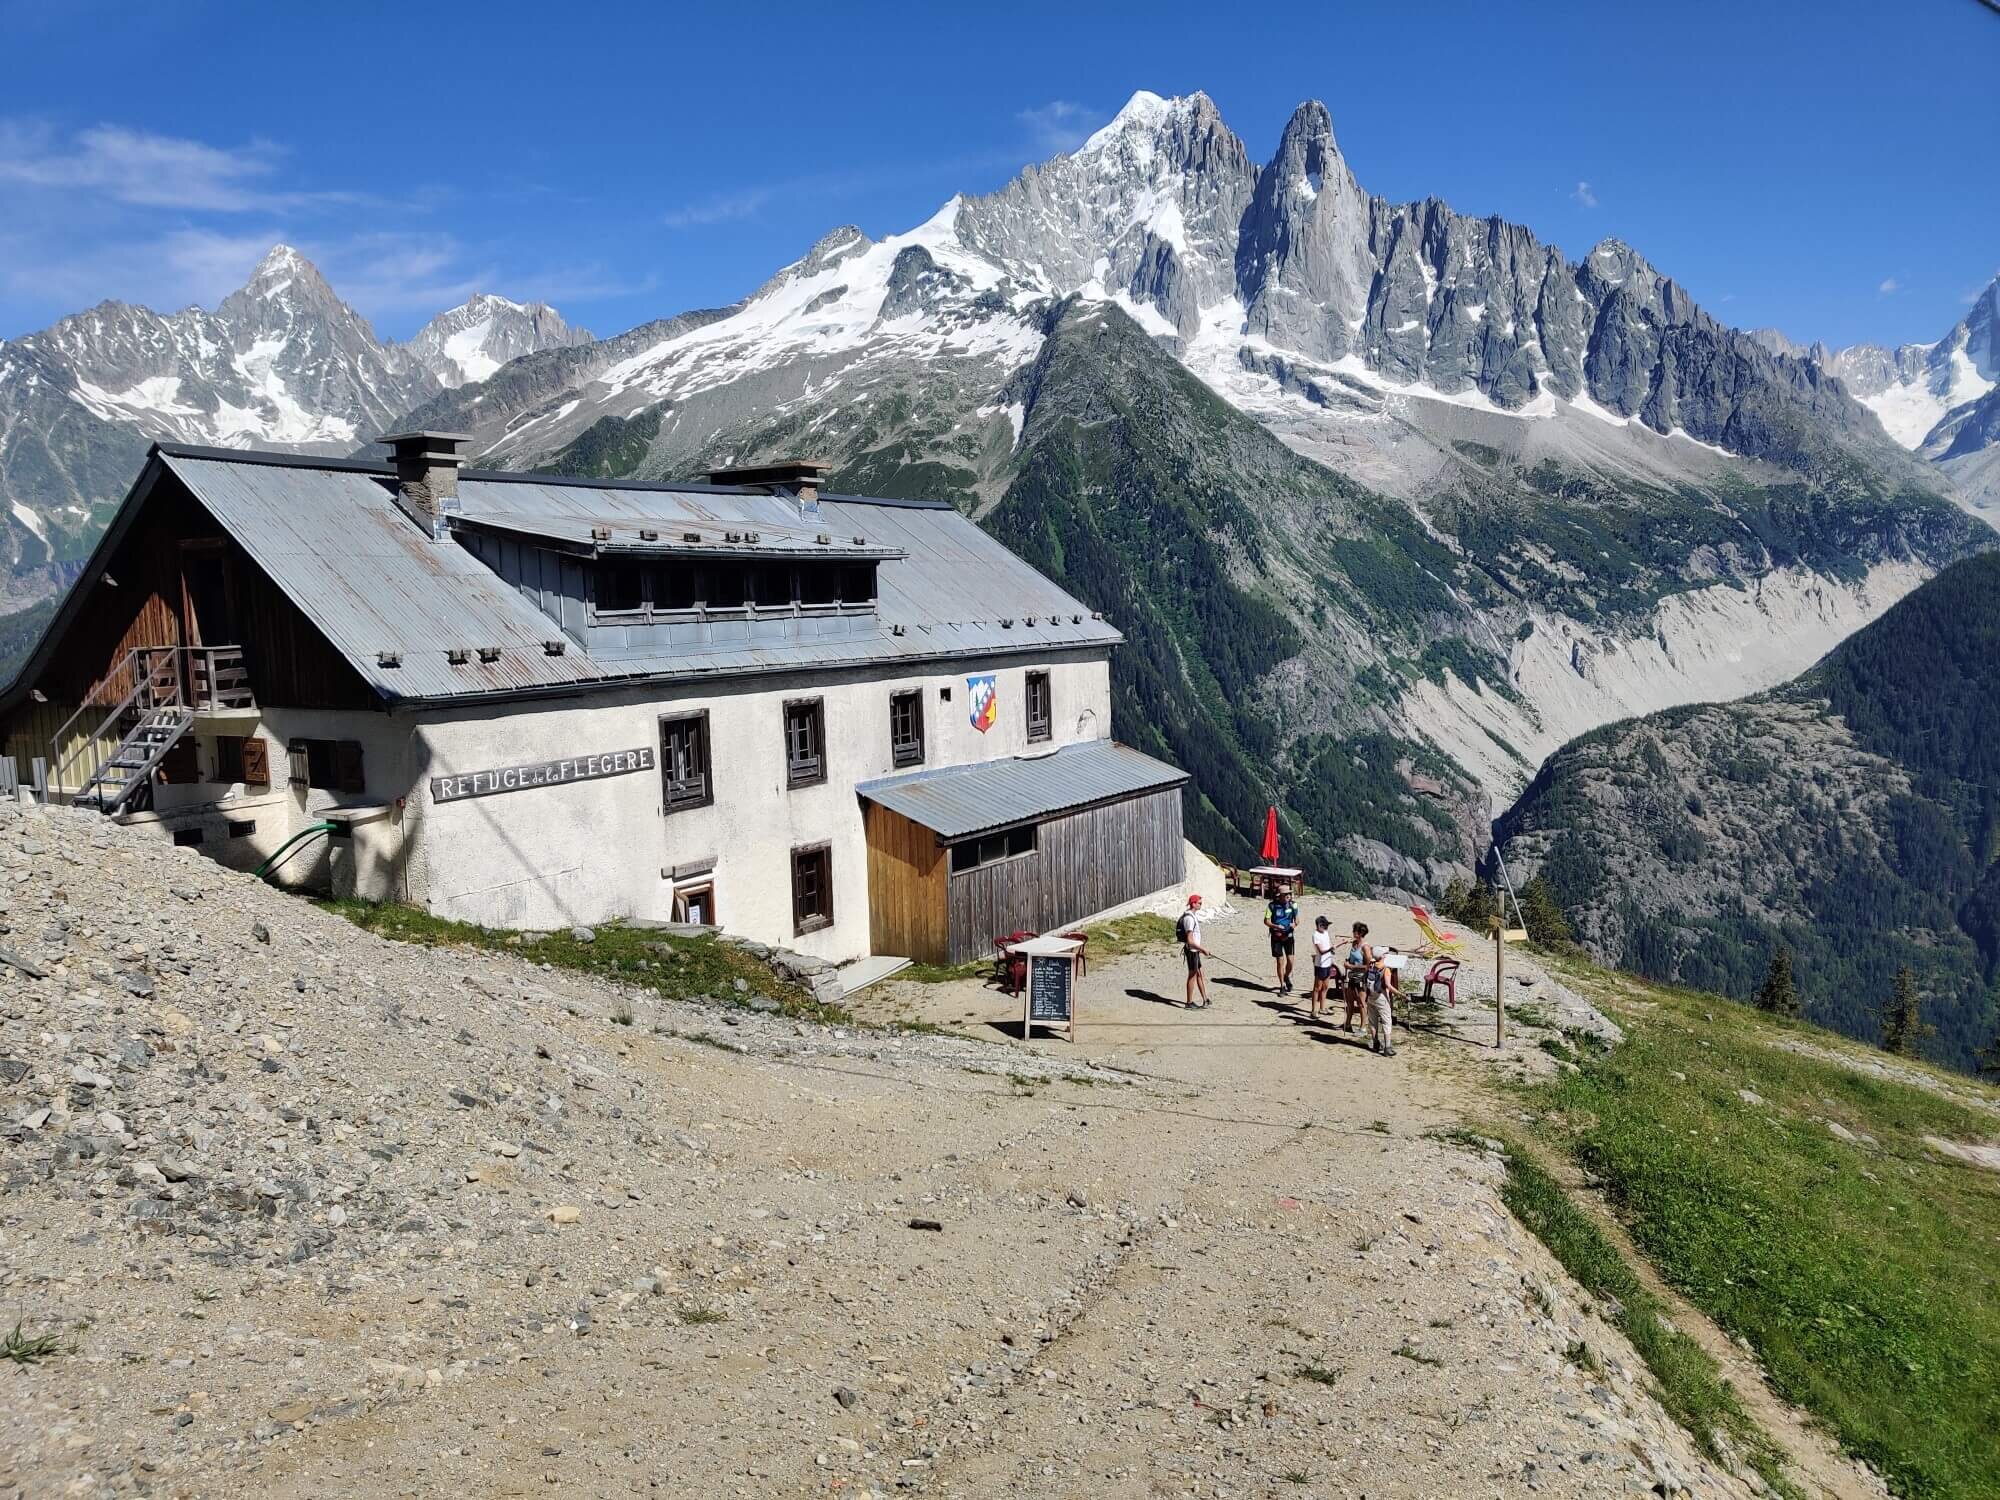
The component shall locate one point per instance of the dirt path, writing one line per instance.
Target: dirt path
(1215, 1253)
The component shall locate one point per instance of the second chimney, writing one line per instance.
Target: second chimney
(800, 477)
(427, 476)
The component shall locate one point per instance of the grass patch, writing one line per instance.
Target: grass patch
(1867, 1278)
(944, 973)
(1686, 1380)
(698, 1315)
(1107, 940)
(1320, 1375)
(674, 967)
(1416, 1356)
(31, 1348)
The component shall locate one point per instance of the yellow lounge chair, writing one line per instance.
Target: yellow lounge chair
(1442, 942)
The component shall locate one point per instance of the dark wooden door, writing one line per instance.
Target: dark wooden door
(208, 599)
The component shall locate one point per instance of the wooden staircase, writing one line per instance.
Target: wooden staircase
(129, 771)
(141, 709)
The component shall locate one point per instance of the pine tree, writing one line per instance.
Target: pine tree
(1543, 916)
(1903, 1024)
(1776, 995)
(1452, 902)
(1989, 1056)
(1471, 904)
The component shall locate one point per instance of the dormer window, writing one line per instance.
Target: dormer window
(627, 590)
(621, 587)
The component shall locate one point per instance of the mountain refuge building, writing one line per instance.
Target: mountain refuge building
(840, 724)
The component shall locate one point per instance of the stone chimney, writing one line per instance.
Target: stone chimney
(427, 476)
(801, 477)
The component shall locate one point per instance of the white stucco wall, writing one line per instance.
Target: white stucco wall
(593, 850)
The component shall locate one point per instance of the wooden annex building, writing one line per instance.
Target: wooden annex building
(960, 855)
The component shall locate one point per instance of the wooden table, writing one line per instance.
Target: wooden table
(1270, 875)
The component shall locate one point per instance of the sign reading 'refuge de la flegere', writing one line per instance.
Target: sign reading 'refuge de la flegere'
(541, 773)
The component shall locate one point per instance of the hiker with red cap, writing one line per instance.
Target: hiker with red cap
(1189, 928)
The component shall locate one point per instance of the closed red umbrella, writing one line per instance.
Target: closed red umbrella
(1269, 853)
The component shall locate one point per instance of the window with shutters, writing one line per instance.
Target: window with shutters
(805, 742)
(327, 765)
(1041, 709)
(684, 778)
(812, 888)
(228, 758)
(256, 759)
(906, 728)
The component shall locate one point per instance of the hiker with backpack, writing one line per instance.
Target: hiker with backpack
(1189, 931)
(1281, 917)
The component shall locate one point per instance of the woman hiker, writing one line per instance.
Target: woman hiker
(1354, 991)
(1322, 954)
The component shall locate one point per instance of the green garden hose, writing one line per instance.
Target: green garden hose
(299, 837)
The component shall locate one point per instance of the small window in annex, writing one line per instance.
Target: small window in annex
(992, 848)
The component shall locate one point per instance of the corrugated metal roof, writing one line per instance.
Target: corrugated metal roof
(956, 802)
(332, 536)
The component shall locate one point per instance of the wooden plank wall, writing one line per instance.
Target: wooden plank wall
(1083, 863)
(907, 869)
(288, 660)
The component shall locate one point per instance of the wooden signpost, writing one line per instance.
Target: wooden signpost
(1502, 936)
(1049, 997)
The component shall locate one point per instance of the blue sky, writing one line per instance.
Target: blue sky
(1825, 167)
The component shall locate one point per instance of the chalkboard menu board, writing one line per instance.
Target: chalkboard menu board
(1049, 996)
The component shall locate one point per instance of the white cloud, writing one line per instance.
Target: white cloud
(719, 208)
(1890, 286)
(1059, 125)
(141, 169)
(1584, 194)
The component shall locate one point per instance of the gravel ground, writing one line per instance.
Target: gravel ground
(314, 1213)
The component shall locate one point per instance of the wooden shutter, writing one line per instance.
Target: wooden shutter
(347, 766)
(256, 761)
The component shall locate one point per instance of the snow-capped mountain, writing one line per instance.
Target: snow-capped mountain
(473, 340)
(1938, 399)
(1578, 434)
(281, 361)
(1331, 314)
(1370, 486)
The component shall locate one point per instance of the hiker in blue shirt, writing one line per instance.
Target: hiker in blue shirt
(1282, 918)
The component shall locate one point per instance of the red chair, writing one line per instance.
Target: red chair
(1082, 953)
(1444, 973)
(1011, 968)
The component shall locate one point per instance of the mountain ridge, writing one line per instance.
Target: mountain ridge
(1852, 814)
(282, 360)
(1557, 529)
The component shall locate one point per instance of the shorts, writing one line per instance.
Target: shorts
(1322, 973)
(1193, 960)
(1283, 944)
